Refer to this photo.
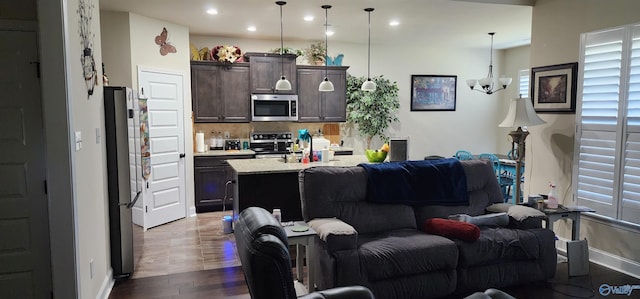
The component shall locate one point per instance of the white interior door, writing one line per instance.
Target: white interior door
(165, 197)
(25, 259)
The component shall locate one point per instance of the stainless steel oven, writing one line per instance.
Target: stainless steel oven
(274, 107)
(271, 144)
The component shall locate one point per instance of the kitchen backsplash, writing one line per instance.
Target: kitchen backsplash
(241, 131)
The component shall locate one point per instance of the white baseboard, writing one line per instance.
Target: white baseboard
(192, 211)
(107, 285)
(605, 259)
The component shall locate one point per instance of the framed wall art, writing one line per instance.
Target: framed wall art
(553, 88)
(433, 92)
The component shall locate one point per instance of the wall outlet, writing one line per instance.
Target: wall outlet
(91, 268)
(78, 140)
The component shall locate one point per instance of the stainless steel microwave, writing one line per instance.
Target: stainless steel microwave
(274, 107)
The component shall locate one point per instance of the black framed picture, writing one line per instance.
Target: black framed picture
(433, 92)
(553, 88)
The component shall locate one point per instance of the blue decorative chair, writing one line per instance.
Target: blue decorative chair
(504, 180)
(463, 155)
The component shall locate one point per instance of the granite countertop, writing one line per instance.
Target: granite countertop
(276, 165)
(221, 153)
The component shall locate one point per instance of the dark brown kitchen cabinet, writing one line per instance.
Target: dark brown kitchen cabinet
(220, 92)
(266, 70)
(211, 175)
(316, 106)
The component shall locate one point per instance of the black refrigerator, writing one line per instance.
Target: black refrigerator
(122, 131)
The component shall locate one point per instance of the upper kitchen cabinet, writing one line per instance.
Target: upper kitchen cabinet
(266, 70)
(220, 92)
(316, 106)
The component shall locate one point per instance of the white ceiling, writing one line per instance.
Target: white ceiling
(463, 23)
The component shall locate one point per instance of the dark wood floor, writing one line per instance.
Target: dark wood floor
(229, 283)
(562, 286)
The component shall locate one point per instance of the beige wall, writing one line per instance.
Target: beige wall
(145, 52)
(116, 47)
(130, 44)
(515, 59)
(555, 39)
(472, 126)
(89, 163)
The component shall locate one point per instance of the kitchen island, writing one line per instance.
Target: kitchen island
(272, 183)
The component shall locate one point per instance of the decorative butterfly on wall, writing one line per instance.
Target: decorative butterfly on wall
(334, 61)
(165, 46)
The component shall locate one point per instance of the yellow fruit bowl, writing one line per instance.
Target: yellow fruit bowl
(375, 155)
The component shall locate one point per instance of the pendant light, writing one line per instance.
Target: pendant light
(326, 85)
(369, 85)
(486, 83)
(283, 83)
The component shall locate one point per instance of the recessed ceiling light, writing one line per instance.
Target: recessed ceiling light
(330, 33)
(251, 28)
(212, 11)
(308, 18)
(394, 23)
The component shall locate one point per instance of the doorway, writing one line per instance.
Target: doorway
(164, 193)
(24, 230)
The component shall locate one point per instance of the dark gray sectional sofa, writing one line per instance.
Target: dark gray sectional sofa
(383, 246)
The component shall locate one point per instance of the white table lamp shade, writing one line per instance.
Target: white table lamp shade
(521, 113)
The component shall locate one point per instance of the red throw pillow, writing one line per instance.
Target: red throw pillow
(452, 229)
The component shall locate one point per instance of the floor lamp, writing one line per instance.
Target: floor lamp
(521, 113)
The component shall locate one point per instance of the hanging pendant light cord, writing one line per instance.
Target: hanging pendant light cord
(281, 3)
(326, 38)
(369, 47)
(490, 75)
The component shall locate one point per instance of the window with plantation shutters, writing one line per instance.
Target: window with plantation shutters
(607, 172)
(630, 210)
(523, 83)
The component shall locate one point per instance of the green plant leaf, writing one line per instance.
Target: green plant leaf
(372, 112)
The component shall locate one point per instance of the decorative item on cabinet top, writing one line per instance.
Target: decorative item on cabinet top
(337, 61)
(288, 50)
(226, 53)
(248, 55)
(223, 54)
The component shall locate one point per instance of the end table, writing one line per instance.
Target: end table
(306, 239)
(566, 212)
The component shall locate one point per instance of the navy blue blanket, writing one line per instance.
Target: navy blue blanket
(426, 182)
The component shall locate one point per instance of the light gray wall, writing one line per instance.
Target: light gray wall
(555, 39)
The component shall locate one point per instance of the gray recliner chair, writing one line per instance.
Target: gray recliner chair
(264, 254)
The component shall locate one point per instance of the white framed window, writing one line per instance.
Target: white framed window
(523, 83)
(608, 123)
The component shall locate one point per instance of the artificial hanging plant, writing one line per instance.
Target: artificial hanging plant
(372, 112)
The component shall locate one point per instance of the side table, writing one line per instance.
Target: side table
(306, 239)
(566, 212)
